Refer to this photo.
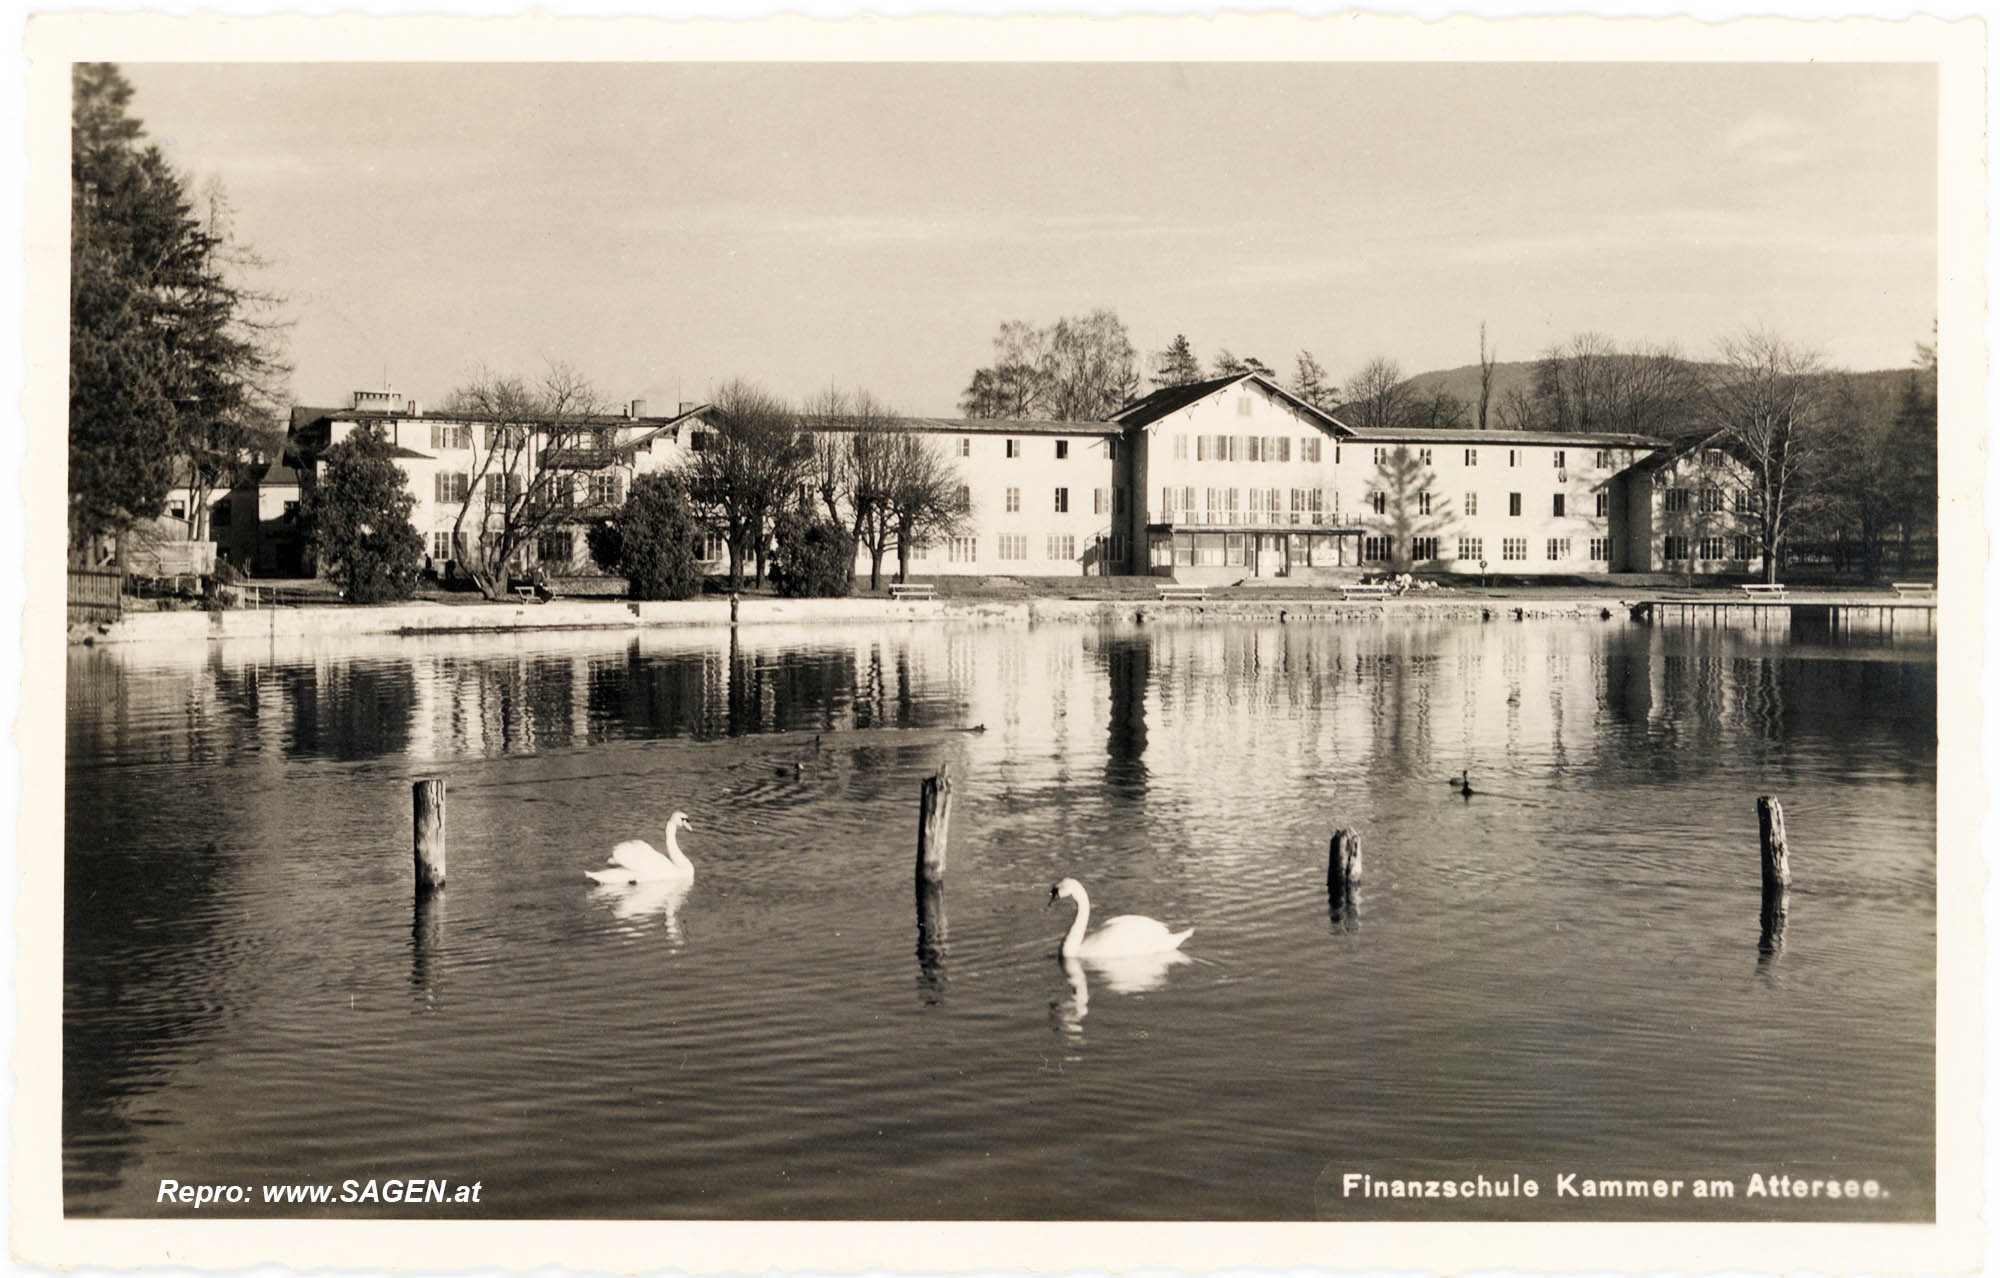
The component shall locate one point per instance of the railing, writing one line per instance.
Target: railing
(96, 595)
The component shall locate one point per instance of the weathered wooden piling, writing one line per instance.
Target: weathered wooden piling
(427, 810)
(933, 830)
(1771, 923)
(1771, 835)
(1343, 870)
(933, 825)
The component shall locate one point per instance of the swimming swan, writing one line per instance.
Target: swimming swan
(1125, 934)
(639, 862)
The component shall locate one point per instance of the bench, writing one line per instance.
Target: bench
(1199, 593)
(528, 594)
(912, 590)
(1760, 591)
(1914, 589)
(1364, 592)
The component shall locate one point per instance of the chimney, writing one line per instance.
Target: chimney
(638, 408)
(416, 408)
(687, 406)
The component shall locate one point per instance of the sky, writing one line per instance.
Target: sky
(668, 227)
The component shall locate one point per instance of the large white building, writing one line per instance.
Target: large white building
(1220, 481)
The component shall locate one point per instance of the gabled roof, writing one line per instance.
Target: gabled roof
(967, 426)
(669, 427)
(1171, 399)
(1498, 438)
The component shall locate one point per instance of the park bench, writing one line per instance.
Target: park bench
(1757, 590)
(1364, 592)
(1914, 589)
(528, 593)
(912, 590)
(1184, 592)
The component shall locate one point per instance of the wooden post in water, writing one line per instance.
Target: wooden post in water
(933, 828)
(1771, 835)
(1343, 870)
(427, 809)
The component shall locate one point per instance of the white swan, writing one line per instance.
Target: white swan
(1125, 934)
(634, 861)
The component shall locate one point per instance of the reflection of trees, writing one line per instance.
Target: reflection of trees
(1127, 668)
(1404, 477)
(349, 711)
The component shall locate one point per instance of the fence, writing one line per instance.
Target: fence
(94, 595)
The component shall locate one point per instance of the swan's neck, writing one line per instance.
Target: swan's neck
(1082, 920)
(674, 852)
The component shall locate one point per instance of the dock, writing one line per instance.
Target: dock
(1892, 615)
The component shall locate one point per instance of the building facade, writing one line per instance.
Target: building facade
(1231, 479)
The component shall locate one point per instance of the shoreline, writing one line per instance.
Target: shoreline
(339, 621)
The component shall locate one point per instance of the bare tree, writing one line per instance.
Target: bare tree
(926, 502)
(1770, 399)
(1487, 358)
(527, 445)
(1377, 396)
(1590, 383)
(854, 468)
(745, 470)
(1078, 369)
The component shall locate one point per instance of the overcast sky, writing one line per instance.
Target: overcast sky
(668, 227)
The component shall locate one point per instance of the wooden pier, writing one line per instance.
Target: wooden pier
(1884, 614)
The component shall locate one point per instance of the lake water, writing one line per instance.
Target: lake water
(1563, 973)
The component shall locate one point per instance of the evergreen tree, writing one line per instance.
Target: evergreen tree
(652, 541)
(159, 354)
(357, 521)
(1228, 365)
(814, 557)
(1309, 382)
(1176, 365)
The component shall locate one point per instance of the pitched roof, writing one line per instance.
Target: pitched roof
(967, 425)
(1469, 435)
(1171, 399)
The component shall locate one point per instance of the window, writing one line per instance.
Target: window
(1424, 456)
(1201, 452)
(1472, 456)
(1604, 461)
(1471, 548)
(1600, 548)
(1062, 501)
(506, 436)
(1374, 549)
(604, 489)
(1711, 548)
(1558, 457)
(1013, 448)
(441, 544)
(965, 445)
(1675, 548)
(1013, 545)
(1711, 501)
(1677, 501)
(1423, 548)
(1514, 548)
(444, 436)
(451, 488)
(1309, 449)
(1111, 450)
(1243, 406)
(291, 510)
(221, 514)
(1208, 548)
(502, 490)
(1184, 551)
(555, 546)
(1381, 455)
(1513, 457)
(1472, 503)
(1559, 504)
(1743, 550)
(1062, 449)
(1013, 501)
(1744, 502)
(1254, 450)
(1180, 448)
(710, 548)
(962, 550)
(1379, 503)
(1424, 502)
(1112, 549)
(1232, 549)
(964, 498)
(1711, 457)
(1603, 502)
(1168, 503)
(1062, 547)
(1558, 548)
(1513, 503)
(1306, 506)
(700, 441)
(1284, 448)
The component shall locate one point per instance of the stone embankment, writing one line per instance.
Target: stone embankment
(428, 619)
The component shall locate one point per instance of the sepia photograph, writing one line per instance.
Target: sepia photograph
(1361, 635)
